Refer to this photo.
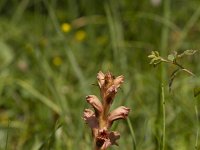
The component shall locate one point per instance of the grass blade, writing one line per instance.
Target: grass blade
(163, 112)
(7, 135)
(197, 120)
(132, 133)
(39, 96)
(187, 27)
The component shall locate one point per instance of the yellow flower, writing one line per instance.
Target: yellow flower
(80, 35)
(57, 61)
(66, 27)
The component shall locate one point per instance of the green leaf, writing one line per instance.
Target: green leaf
(156, 53)
(45, 100)
(171, 57)
(187, 52)
(155, 60)
(151, 62)
(196, 91)
(190, 52)
(175, 53)
(151, 56)
(6, 54)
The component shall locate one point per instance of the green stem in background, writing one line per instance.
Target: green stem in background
(194, 18)
(159, 19)
(183, 69)
(45, 100)
(163, 117)
(197, 117)
(132, 133)
(164, 42)
(164, 36)
(20, 10)
(8, 127)
(165, 29)
(179, 65)
(116, 32)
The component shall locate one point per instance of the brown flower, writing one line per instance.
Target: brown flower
(107, 80)
(100, 78)
(90, 119)
(96, 104)
(118, 81)
(108, 85)
(105, 138)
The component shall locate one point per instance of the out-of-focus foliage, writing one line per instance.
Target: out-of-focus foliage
(51, 51)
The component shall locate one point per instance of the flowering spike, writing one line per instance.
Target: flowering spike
(101, 120)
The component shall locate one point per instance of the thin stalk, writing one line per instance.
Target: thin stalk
(163, 52)
(197, 119)
(186, 70)
(17, 15)
(132, 133)
(163, 116)
(159, 19)
(7, 135)
(178, 65)
(165, 29)
(194, 18)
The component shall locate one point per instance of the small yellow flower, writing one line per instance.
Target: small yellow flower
(66, 27)
(57, 61)
(80, 35)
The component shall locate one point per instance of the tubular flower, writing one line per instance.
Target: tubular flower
(119, 113)
(101, 121)
(118, 81)
(105, 138)
(96, 104)
(100, 78)
(90, 118)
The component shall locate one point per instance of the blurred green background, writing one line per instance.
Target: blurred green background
(51, 51)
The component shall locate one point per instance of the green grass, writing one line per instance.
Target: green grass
(46, 73)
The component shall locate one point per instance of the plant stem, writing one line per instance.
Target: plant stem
(193, 19)
(197, 117)
(178, 65)
(163, 52)
(163, 113)
(7, 135)
(186, 70)
(164, 36)
(132, 133)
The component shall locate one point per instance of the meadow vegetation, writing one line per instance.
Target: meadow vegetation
(52, 50)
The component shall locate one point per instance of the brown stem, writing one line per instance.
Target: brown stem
(178, 65)
(184, 69)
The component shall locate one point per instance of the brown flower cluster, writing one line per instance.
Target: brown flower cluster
(100, 120)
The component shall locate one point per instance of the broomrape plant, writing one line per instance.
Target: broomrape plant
(101, 119)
